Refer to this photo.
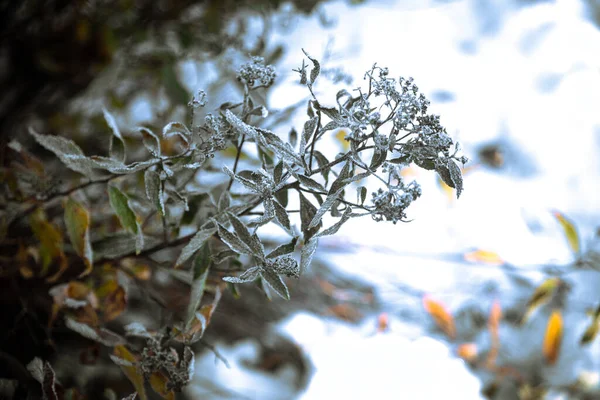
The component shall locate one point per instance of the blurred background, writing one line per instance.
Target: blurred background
(428, 309)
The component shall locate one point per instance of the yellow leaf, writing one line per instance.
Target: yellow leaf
(50, 238)
(440, 315)
(159, 381)
(570, 231)
(340, 136)
(131, 372)
(553, 337)
(468, 352)
(541, 295)
(484, 256)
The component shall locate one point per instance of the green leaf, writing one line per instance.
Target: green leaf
(177, 94)
(570, 231)
(278, 146)
(195, 244)
(119, 245)
(77, 222)
(310, 183)
(154, 190)
(341, 180)
(120, 204)
(67, 151)
(379, 156)
(284, 249)
(362, 193)
(117, 149)
(275, 282)
(201, 268)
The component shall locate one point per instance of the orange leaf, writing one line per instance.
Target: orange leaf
(383, 322)
(159, 381)
(494, 326)
(440, 315)
(483, 256)
(115, 304)
(131, 371)
(553, 337)
(468, 352)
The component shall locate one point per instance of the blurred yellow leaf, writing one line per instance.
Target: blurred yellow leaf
(159, 381)
(340, 136)
(440, 315)
(51, 243)
(592, 330)
(541, 295)
(468, 352)
(570, 231)
(553, 337)
(483, 256)
(383, 322)
(131, 371)
(114, 304)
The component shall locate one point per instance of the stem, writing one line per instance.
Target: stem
(237, 159)
(312, 145)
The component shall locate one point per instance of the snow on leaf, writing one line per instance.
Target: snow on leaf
(154, 190)
(251, 241)
(248, 275)
(150, 140)
(284, 249)
(332, 230)
(307, 253)
(117, 149)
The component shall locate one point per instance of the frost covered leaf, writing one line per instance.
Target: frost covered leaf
(67, 151)
(233, 241)
(77, 222)
(314, 72)
(188, 361)
(310, 183)
(281, 215)
(132, 396)
(279, 147)
(307, 214)
(154, 190)
(307, 132)
(284, 249)
(278, 172)
(341, 180)
(137, 329)
(201, 269)
(362, 194)
(120, 244)
(36, 369)
(286, 265)
(307, 253)
(275, 282)
(195, 244)
(570, 231)
(117, 149)
(150, 141)
(249, 184)
(251, 241)
(451, 175)
(131, 371)
(440, 315)
(102, 336)
(324, 208)
(332, 230)
(239, 125)
(248, 275)
(553, 338)
(224, 201)
(177, 129)
(322, 161)
(379, 156)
